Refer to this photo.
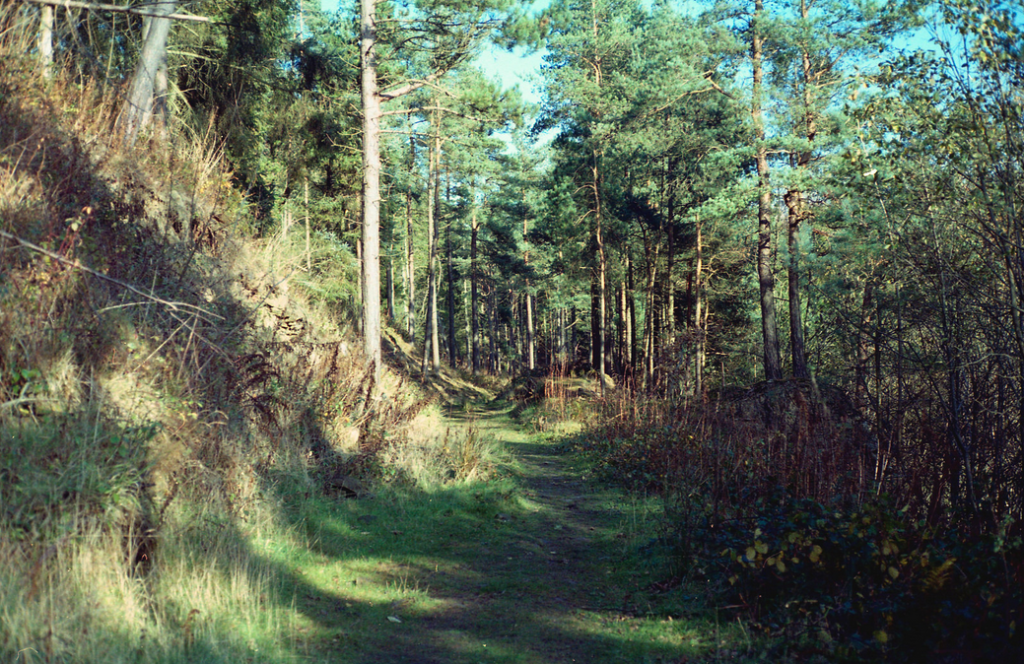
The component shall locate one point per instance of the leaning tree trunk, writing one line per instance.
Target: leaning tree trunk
(140, 100)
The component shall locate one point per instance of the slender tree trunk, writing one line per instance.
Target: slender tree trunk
(453, 354)
(433, 198)
(371, 185)
(531, 350)
(391, 285)
(45, 40)
(492, 325)
(794, 207)
(631, 305)
(531, 359)
(138, 111)
(863, 346)
(309, 257)
(595, 322)
(602, 281)
(410, 274)
(466, 306)
(361, 280)
(650, 328)
(670, 316)
(474, 276)
(622, 340)
(602, 269)
(699, 336)
(766, 279)
(797, 211)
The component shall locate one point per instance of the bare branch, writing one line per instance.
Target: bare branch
(73, 4)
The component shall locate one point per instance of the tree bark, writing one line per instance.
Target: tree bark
(45, 40)
(410, 274)
(531, 353)
(432, 339)
(766, 279)
(453, 354)
(699, 330)
(474, 277)
(371, 185)
(794, 206)
(797, 212)
(139, 105)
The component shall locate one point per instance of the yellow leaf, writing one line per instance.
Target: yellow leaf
(761, 547)
(781, 566)
(893, 572)
(751, 554)
(815, 554)
(881, 636)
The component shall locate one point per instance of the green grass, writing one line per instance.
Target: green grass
(528, 562)
(481, 571)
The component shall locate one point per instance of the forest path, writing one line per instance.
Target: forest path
(538, 568)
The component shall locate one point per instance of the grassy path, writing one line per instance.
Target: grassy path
(538, 567)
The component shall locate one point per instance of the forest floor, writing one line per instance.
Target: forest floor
(542, 565)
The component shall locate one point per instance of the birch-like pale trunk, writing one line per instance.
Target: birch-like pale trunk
(147, 82)
(45, 41)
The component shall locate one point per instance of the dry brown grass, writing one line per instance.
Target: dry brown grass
(163, 380)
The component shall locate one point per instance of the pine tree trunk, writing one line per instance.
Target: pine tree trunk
(699, 330)
(492, 325)
(391, 285)
(410, 274)
(433, 198)
(766, 279)
(371, 185)
(595, 322)
(651, 250)
(794, 207)
(631, 305)
(453, 354)
(466, 306)
(474, 272)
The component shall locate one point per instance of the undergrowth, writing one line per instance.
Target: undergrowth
(167, 383)
(774, 515)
